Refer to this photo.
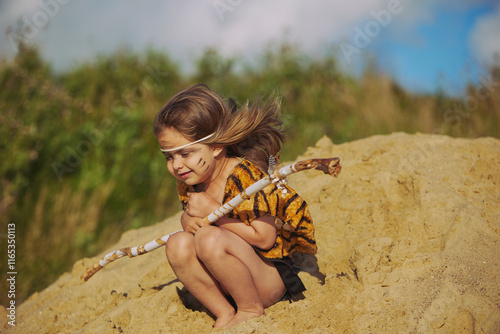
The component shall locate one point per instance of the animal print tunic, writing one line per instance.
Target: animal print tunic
(294, 228)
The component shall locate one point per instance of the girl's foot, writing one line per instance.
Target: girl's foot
(221, 321)
(242, 316)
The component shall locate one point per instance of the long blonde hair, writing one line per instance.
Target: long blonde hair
(251, 131)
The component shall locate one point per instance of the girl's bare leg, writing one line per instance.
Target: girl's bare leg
(182, 257)
(253, 282)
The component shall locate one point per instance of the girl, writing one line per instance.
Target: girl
(216, 150)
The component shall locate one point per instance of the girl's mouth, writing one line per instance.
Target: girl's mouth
(185, 175)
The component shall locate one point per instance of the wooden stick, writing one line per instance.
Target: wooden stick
(329, 166)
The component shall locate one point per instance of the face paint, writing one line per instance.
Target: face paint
(191, 163)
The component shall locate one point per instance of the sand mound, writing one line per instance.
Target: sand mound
(409, 243)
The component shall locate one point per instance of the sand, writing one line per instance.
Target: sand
(408, 240)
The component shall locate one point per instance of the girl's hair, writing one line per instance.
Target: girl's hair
(252, 131)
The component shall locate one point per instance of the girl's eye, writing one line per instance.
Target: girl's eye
(185, 154)
(168, 157)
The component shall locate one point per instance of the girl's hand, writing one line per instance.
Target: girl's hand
(200, 204)
(191, 224)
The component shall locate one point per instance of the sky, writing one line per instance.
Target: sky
(425, 45)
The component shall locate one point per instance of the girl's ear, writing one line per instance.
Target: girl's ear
(217, 150)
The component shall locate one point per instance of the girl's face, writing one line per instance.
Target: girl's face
(193, 164)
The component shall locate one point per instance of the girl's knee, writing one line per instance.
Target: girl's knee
(207, 242)
(179, 247)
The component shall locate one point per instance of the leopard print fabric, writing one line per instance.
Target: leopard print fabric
(294, 227)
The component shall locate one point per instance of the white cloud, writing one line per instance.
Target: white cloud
(82, 29)
(24, 20)
(184, 29)
(484, 41)
(15, 9)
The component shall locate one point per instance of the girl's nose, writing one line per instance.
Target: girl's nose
(177, 163)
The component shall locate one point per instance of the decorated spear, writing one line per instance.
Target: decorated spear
(329, 166)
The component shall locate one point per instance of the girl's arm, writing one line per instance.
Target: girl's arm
(261, 233)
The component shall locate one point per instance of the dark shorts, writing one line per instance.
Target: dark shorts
(289, 275)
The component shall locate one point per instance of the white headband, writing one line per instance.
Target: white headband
(188, 144)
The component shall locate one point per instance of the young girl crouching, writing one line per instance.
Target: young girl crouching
(215, 151)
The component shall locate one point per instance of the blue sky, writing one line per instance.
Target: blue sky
(442, 55)
(424, 45)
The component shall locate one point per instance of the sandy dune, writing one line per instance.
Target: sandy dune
(408, 241)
